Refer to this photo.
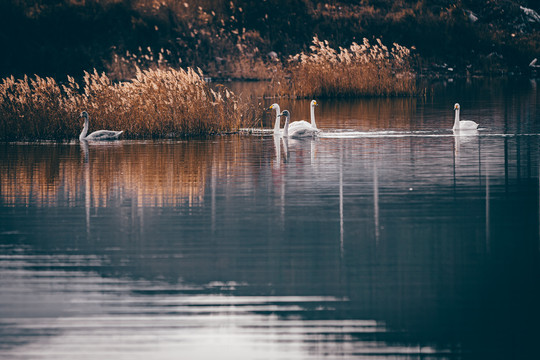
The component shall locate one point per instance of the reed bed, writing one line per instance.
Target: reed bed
(361, 70)
(156, 103)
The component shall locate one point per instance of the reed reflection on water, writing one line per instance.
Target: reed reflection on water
(405, 242)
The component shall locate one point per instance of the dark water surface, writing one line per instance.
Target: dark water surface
(386, 238)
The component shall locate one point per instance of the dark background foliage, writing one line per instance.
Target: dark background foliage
(55, 38)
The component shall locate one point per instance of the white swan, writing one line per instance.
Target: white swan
(463, 124)
(97, 135)
(304, 122)
(298, 130)
(301, 123)
(277, 123)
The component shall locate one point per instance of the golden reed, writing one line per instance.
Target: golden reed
(360, 70)
(156, 103)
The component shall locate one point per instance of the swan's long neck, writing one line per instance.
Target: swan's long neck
(277, 123)
(82, 136)
(456, 121)
(313, 116)
(286, 128)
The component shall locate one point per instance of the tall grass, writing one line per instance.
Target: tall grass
(156, 103)
(360, 70)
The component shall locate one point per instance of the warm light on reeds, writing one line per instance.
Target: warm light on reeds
(360, 70)
(156, 103)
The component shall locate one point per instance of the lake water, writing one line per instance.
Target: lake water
(388, 237)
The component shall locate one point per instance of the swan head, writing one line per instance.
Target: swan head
(314, 103)
(273, 106)
(285, 113)
(84, 115)
(456, 106)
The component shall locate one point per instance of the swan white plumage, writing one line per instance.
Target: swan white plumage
(297, 131)
(463, 124)
(278, 112)
(301, 123)
(99, 135)
(304, 122)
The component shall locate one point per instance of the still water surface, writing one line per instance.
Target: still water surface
(388, 237)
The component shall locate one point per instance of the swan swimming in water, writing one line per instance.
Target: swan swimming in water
(301, 123)
(463, 124)
(99, 135)
(298, 130)
(304, 122)
(278, 112)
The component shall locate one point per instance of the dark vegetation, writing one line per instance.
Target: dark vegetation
(238, 38)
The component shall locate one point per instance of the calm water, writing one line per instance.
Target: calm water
(386, 238)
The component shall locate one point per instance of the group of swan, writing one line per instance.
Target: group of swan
(296, 129)
(303, 128)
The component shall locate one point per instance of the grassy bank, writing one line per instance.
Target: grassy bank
(156, 103)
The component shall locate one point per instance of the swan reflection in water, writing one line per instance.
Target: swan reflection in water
(277, 148)
(84, 144)
(87, 197)
(296, 145)
(468, 139)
